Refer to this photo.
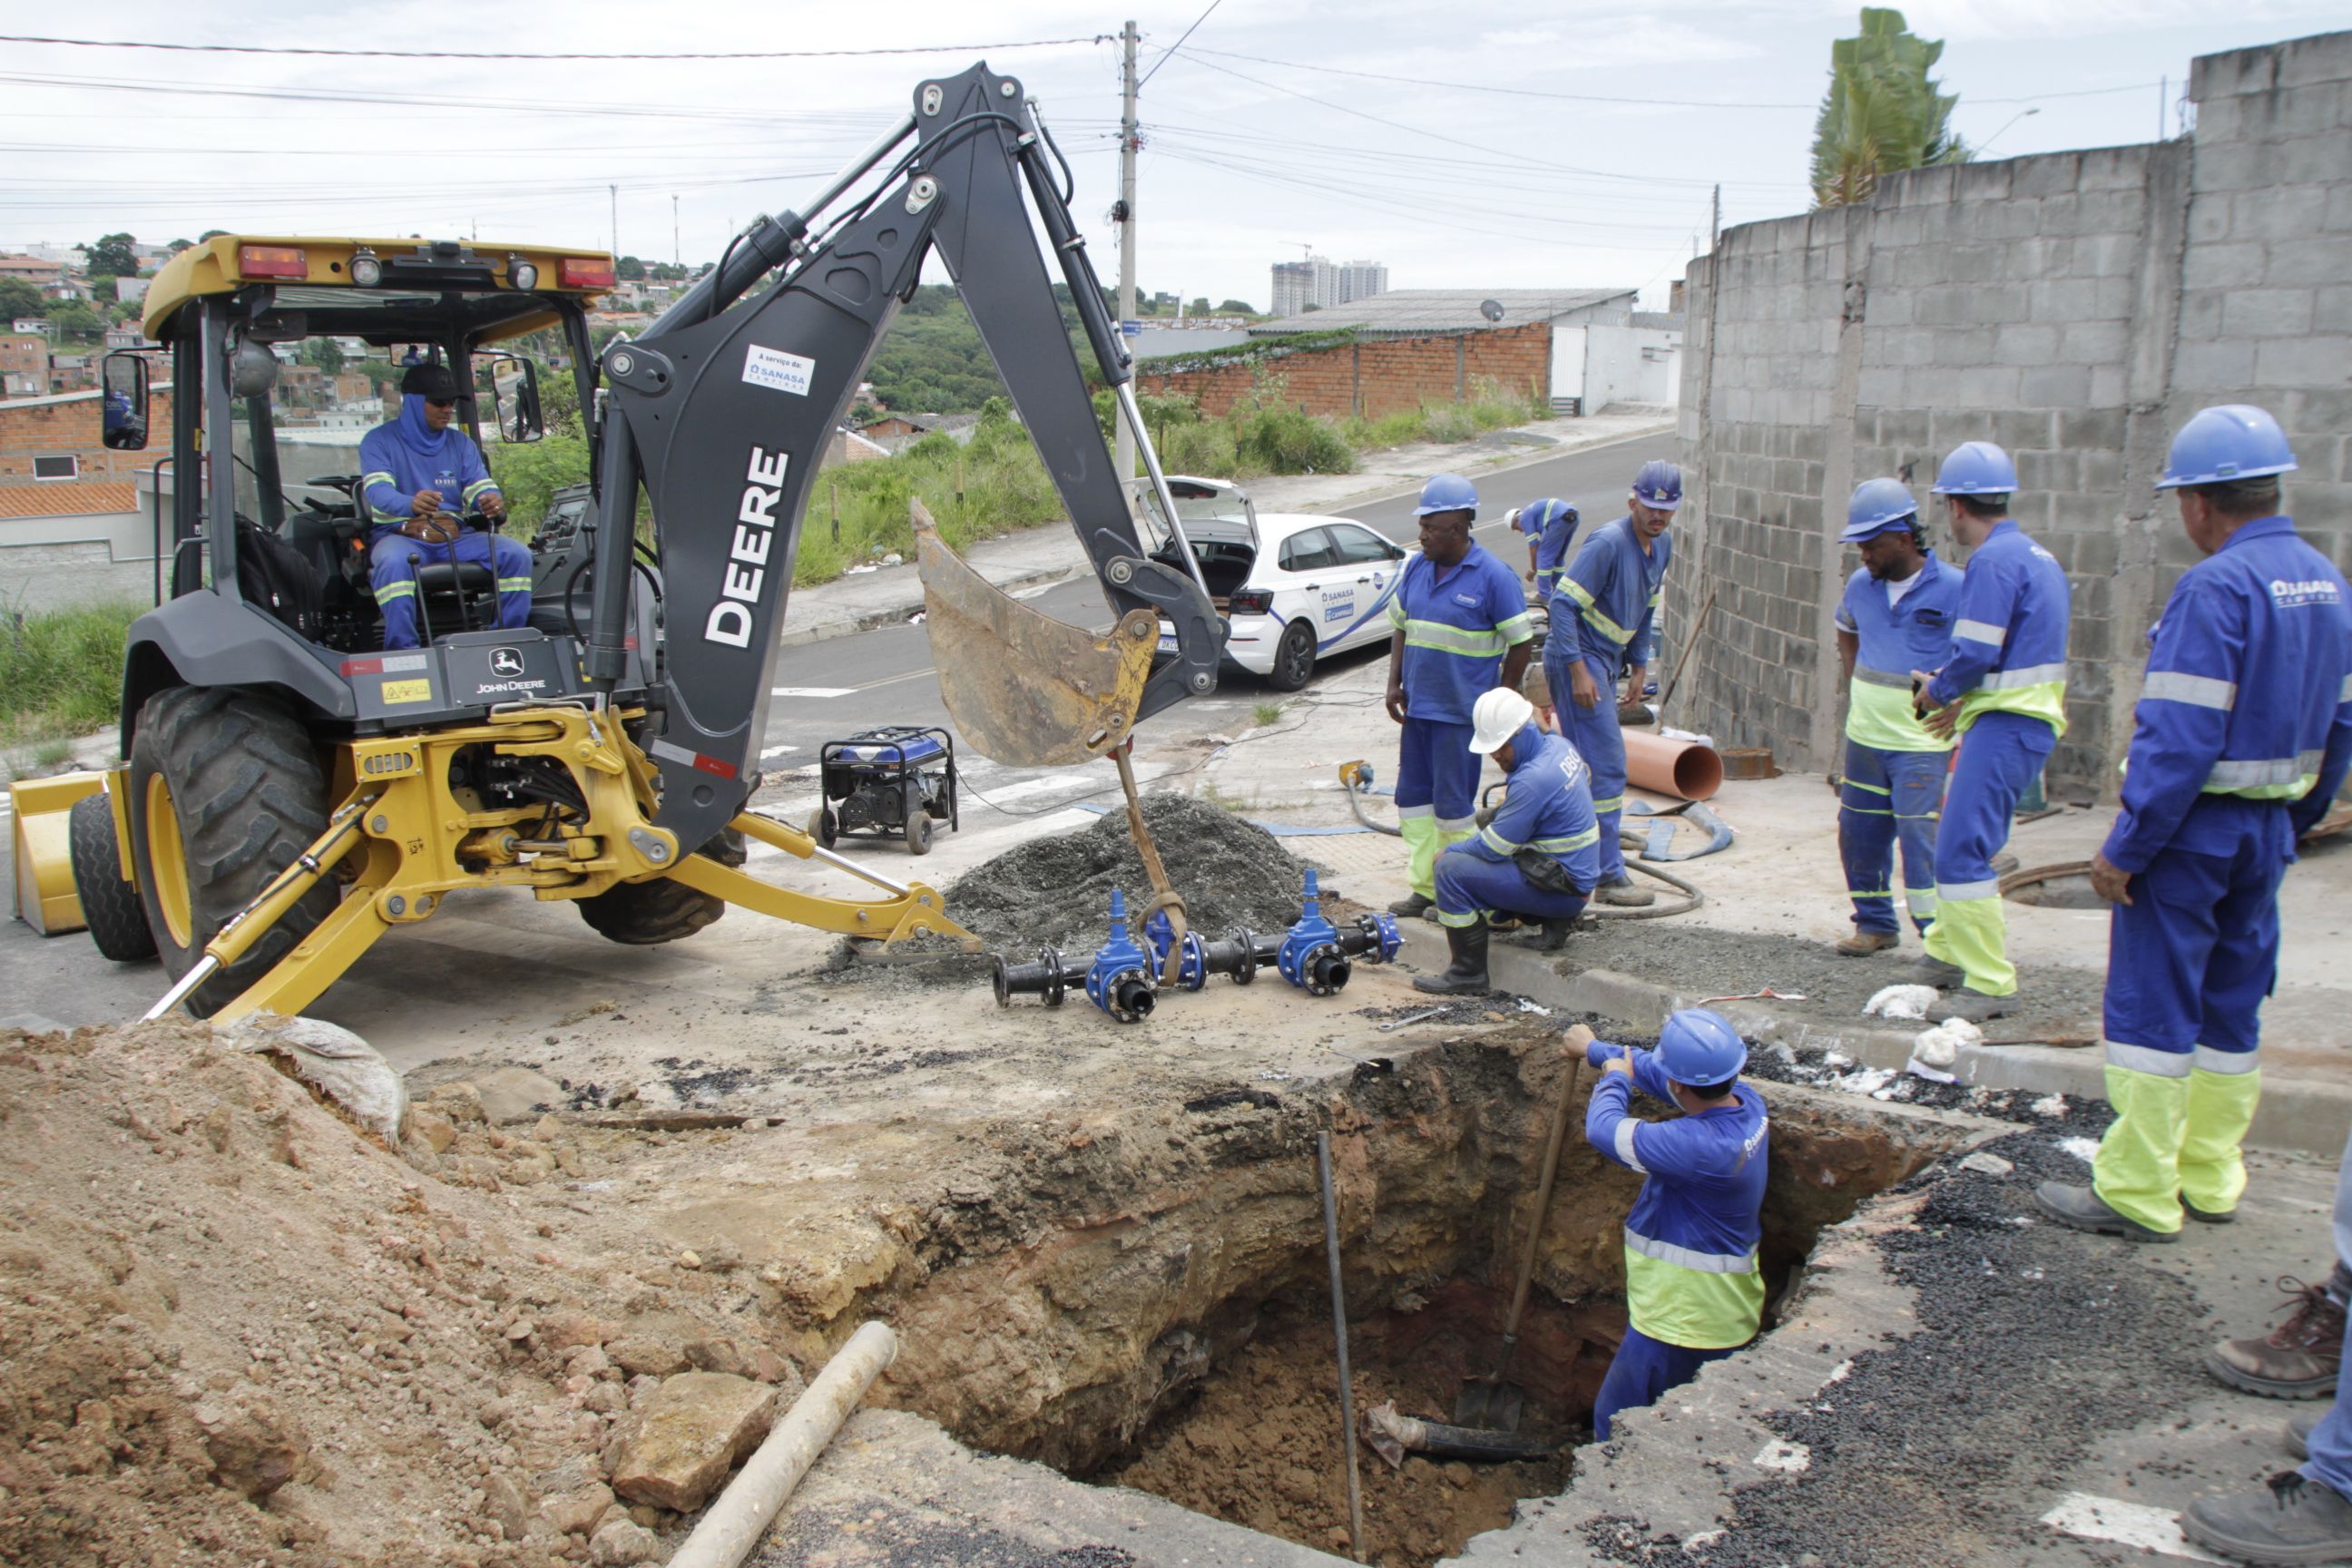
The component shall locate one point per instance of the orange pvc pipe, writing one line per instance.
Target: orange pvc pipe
(1683, 768)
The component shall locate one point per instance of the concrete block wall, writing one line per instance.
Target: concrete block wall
(2073, 307)
(1376, 375)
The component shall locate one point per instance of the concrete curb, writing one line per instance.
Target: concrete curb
(897, 612)
(2297, 1115)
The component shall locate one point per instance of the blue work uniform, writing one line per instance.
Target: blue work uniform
(1694, 1284)
(2007, 669)
(1459, 621)
(1893, 784)
(1547, 806)
(1551, 552)
(400, 458)
(2241, 740)
(1605, 615)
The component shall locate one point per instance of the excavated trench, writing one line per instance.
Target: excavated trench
(1140, 1298)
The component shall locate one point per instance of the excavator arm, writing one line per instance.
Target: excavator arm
(721, 411)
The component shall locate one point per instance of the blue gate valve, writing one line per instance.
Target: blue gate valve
(1193, 971)
(1119, 980)
(1318, 957)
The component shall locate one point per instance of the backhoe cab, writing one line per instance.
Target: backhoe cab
(294, 790)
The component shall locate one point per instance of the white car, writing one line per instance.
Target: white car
(1294, 586)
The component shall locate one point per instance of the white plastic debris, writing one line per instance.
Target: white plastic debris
(2052, 1106)
(1990, 1164)
(2084, 1149)
(894, 558)
(333, 1060)
(1535, 1007)
(1901, 1001)
(1940, 1046)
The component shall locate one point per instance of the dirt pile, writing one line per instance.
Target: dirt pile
(233, 1330)
(1057, 891)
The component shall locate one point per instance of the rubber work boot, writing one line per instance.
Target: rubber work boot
(2086, 1210)
(1863, 943)
(1930, 970)
(2298, 1360)
(2298, 1430)
(2289, 1520)
(1972, 1007)
(1412, 906)
(2208, 1216)
(1466, 945)
(1547, 936)
(1623, 895)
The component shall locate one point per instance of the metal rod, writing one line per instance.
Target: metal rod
(1339, 1333)
(1124, 392)
(179, 992)
(855, 869)
(864, 161)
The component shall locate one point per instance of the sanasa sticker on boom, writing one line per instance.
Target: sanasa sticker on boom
(747, 563)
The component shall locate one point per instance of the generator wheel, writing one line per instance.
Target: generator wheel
(643, 914)
(822, 826)
(225, 791)
(110, 905)
(919, 832)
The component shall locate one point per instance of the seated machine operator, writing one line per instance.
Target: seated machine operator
(418, 472)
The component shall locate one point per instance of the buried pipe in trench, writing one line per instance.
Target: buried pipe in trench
(1339, 1333)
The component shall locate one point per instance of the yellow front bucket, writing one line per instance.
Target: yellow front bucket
(42, 812)
(1023, 688)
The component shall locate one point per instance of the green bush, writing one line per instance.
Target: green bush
(61, 670)
(1277, 438)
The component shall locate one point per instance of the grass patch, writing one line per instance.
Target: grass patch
(1266, 713)
(61, 670)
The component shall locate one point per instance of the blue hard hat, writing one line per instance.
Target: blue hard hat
(1538, 515)
(2235, 441)
(1975, 468)
(1697, 1046)
(1877, 507)
(1447, 492)
(1659, 485)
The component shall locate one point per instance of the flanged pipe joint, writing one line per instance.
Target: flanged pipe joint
(1193, 970)
(1117, 978)
(1318, 957)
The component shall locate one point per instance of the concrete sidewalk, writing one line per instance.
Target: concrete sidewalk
(1041, 557)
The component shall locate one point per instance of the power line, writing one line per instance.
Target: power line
(473, 54)
(1482, 86)
(1179, 44)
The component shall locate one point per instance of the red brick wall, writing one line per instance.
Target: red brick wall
(1377, 376)
(56, 429)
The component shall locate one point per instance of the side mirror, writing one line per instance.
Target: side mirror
(512, 384)
(122, 403)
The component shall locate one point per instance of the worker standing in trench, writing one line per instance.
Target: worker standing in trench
(2241, 739)
(1897, 616)
(1604, 622)
(2002, 691)
(1694, 1286)
(1535, 859)
(1460, 626)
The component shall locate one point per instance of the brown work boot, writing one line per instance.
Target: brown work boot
(1863, 943)
(2298, 1360)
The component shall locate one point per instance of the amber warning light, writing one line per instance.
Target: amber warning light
(584, 272)
(272, 261)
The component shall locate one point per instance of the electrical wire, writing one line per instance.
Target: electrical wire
(1482, 86)
(1178, 44)
(494, 55)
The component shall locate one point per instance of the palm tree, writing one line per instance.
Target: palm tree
(1882, 113)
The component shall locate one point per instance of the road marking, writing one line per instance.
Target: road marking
(776, 751)
(811, 691)
(2132, 1524)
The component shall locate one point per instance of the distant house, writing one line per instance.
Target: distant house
(898, 431)
(33, 270)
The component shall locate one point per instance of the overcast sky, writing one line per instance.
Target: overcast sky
(1257, 144)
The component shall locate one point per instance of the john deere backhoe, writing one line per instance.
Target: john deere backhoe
(293, 791)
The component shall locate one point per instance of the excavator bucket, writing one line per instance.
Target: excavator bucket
(1023, 688)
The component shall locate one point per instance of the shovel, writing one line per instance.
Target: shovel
(1491, 1402)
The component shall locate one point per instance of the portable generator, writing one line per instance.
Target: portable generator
(898, 779)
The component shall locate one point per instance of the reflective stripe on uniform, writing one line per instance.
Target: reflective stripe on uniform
(1406, 813)
(1624, 1143)
(2272, 778)
(2018, 680)
(1981, 631)
(399, 590)
(1462, 826)
(2148, 1059)
(1497, 843)
(1443, 638)
(1921, 900)
(1882, 677)
(2226, 1062)
(1568, 846)
(514, 585)
(1951, 892)
(1681, 1256)
(1603, 807)
(1590, 611)
(2198, 690)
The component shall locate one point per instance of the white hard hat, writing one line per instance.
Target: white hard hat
(1496, 717)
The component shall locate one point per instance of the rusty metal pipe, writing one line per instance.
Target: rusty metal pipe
(1683, 769)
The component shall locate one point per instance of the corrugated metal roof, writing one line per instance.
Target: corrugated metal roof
(69, 497)
(1445, 310)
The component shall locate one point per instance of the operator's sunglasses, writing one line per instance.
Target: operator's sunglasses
(440, 403)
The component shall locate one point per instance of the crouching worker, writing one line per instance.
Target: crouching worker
(1537, 859)
(1694, 1291)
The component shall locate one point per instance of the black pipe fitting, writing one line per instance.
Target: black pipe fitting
(1050, 978)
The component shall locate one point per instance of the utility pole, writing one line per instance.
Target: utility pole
(1123, 446)
(1715, 222)
(614, 192)
(677, 251)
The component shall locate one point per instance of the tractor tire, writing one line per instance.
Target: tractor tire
(110, 905)
(225, 791)
(641, 914)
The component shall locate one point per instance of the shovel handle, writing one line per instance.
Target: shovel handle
(1543, 1203)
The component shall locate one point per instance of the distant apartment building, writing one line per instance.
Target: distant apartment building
(1320, 283)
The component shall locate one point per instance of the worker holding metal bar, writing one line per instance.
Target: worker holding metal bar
(1536, 859)
(1604, 624)
(1694, 1284)
(1897, 616)
(1460, 627)
(2241, 739)
(2002, 690)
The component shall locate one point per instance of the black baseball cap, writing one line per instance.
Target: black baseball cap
(433, 383)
